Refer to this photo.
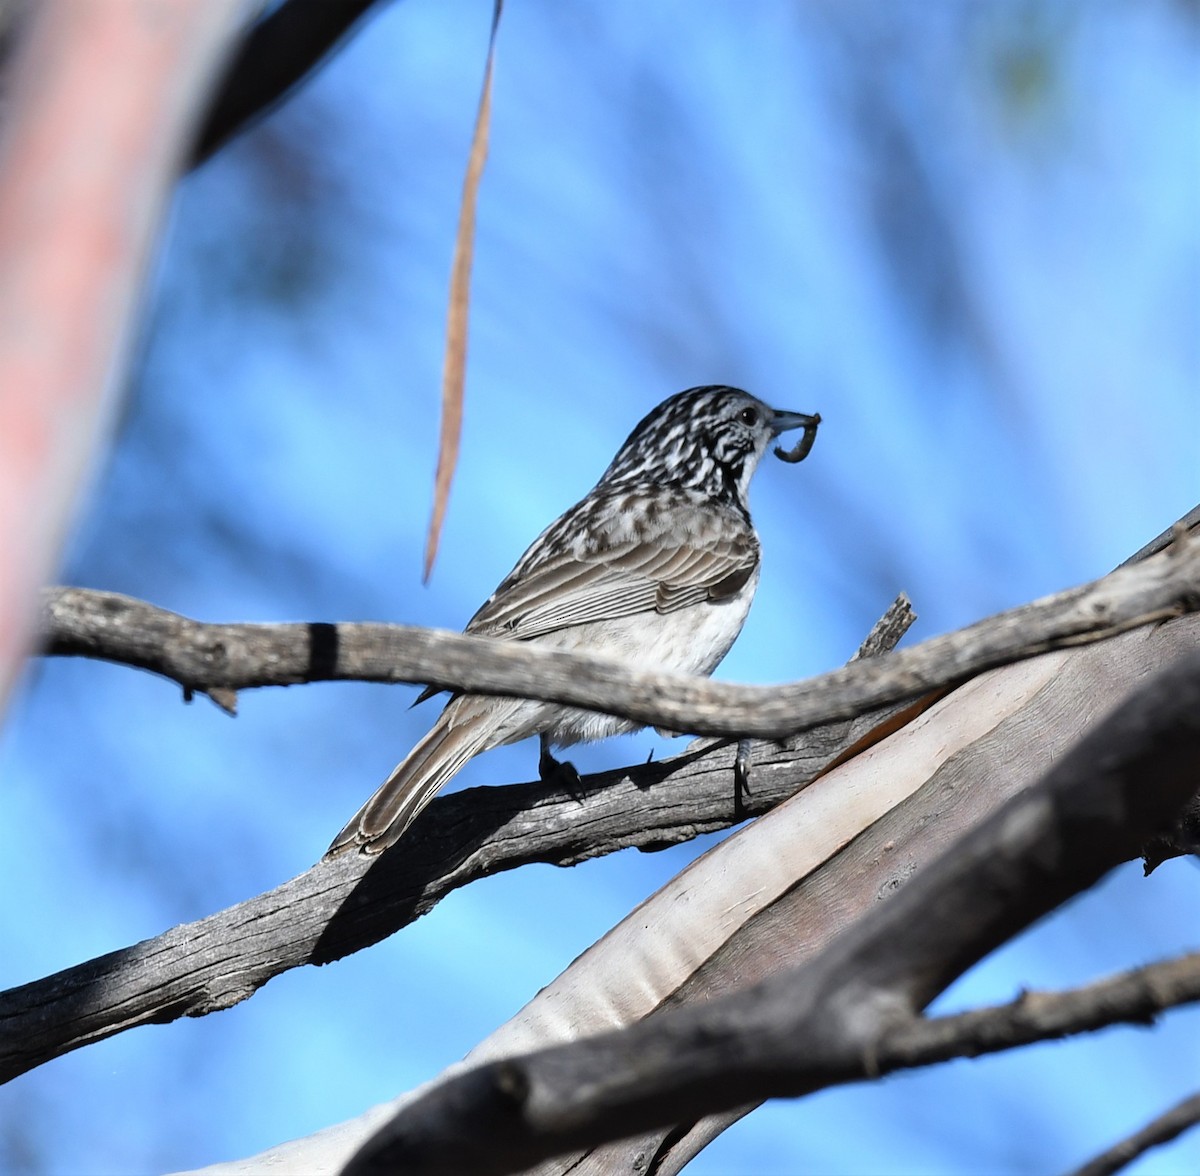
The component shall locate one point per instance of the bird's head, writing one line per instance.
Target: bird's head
(709, 438)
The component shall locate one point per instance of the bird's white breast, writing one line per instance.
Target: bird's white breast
(689, 641)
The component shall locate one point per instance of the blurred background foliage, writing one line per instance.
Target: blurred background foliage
(966, 233)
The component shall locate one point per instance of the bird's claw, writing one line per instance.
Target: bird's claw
(742, 764)
(559, 773)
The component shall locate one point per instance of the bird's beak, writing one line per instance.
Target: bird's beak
(782, 421)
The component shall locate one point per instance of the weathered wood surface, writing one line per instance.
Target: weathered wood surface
(220, 659)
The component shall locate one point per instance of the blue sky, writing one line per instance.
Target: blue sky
(965, 234)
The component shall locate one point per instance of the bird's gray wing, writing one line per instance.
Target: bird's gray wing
(676, 557)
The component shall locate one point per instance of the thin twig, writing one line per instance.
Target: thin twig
(1135, 997)
(888, 630)
(1166, 1127)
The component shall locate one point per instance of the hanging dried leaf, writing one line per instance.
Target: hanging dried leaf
(454, 369)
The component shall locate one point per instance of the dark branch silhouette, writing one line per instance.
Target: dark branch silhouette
(1166, 1127)
(276, 54)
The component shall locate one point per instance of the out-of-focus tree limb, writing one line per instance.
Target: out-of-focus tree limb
(1162, 1130)
(837, 1018)
(101, 101)
(223, 657)
(276, 54)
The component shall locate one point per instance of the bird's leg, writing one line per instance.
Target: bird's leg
(742, 763)
(557, 772)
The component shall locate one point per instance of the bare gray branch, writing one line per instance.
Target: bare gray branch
(347, 903)
(1136, 997)
(342, 905)
(208, 657)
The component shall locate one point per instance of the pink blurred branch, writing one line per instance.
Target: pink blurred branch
(103, 104)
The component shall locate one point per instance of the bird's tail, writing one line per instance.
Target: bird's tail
(459, 733)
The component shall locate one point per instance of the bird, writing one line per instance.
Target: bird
(655, 566)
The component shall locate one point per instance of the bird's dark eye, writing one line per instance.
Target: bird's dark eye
(748, 416)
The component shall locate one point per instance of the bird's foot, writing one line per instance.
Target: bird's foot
(559, 773)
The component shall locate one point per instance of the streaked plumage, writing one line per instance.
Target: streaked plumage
(656, 566)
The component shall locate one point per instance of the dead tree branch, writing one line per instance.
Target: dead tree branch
(344, 904)
(1133, 997)
(216, 658)
(834, 1019)
(1189, 523)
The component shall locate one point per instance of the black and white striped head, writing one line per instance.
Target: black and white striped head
(710, 439)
